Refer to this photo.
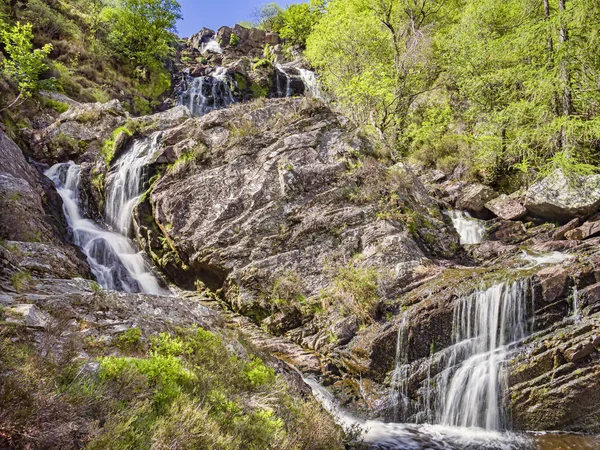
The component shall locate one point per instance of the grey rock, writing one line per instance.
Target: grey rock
(558, 197)
(506, 208)
(562, 231)
(200, 38)
(474, 197)
(28, 315)
(585, 231)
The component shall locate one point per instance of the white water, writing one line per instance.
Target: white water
(211, 46)
(311, 85)
(540, 259)
(400, 436)
(111, 256)
(206, 94)
(471, 231)
(286, 89)
(576, 307)
(469, 389)
(124, 185)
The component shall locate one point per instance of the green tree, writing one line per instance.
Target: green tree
(376, 58)
(23, 64)
(299, 21)
(526, 69)
(141, 31)
(268, 17)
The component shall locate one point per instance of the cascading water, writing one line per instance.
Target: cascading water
(283, 81)
(112, 258)
(211, 46)
(311, 85)
(205, 94)
(471, 231)
(125, 183)
(468, 390)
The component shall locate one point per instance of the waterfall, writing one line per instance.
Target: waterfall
(471, 231)
(112, 258)
(468, 390)
(576, 308)
(211, 46)
(124, 184)
(284, 90)
(311, 85)
(205, 94)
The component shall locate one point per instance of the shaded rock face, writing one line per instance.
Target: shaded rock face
(31, 214)
(271, 196)
(558, 197)
(79, 131)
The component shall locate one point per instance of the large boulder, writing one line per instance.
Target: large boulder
(474, 197)
(560, 197)
(506, 208)
(198, 40)
(31, 216)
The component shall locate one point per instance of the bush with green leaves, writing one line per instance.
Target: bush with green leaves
(23, 64)
(191, 392)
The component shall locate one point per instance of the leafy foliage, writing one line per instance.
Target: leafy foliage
(508, 88)
(23, 64)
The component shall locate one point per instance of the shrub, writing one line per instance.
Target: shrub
(355, 290)
(234, 40)
(22, 281)
(130, 340)
(23, 64)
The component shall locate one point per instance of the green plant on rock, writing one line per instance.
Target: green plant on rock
(355, 291)
(22, 281)
(109, 148)
(23, 65)
(234, 40)
(130, 340)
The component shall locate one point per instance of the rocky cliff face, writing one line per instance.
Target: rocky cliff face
(277, 217)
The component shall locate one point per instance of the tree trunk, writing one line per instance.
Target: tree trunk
(550, 42)
(567, 103)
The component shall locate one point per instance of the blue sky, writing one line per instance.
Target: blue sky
(216, 13)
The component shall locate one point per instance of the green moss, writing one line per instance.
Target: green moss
(109, 148)
(56, 105)
(259, 91)
(241, 81)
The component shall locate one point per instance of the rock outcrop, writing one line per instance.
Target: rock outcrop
(559, 197)
(279, 207)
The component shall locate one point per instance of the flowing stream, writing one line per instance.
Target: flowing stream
(112, 257)
(125, 182)
(470, 230)
(205, 94)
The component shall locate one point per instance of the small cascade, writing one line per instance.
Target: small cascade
(471, 231)
(401, 372)
(112, 258)
(541, 259)
(211, 46)
(125, 182)
(205, 94)
(467, 389)
(311, 85)
(283, 81)
(576, 308)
